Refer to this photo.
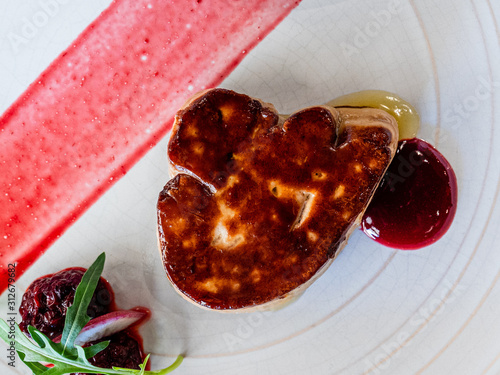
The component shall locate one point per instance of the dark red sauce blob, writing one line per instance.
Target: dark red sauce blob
(124, 350)
(416, 201)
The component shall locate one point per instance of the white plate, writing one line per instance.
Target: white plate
(376, 310)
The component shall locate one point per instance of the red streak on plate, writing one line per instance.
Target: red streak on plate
(105, 101)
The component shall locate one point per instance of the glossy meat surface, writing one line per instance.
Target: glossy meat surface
(261, 203)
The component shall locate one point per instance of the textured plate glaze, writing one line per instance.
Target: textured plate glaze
(376, 310)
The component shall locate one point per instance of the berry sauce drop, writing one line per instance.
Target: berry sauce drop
(416, 201)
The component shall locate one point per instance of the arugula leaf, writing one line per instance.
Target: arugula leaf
(167, 370)
(76, 315)
(36, 367)
(66, 357)
(91, 351)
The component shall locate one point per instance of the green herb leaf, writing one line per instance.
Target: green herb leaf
(66, 357)
(76, 315)
(143, 366)
(36, 367)
(91, 351)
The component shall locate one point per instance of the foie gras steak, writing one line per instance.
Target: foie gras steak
(260, 204)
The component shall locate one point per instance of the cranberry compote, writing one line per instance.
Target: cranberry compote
(416, 201)
(123, 351)
(46, 300)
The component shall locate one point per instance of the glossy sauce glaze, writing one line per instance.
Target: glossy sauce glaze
(260, 205)
(416, 201)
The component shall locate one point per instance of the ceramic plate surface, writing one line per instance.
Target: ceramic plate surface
(376, 310)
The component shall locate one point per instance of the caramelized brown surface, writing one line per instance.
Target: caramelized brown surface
(261, 205)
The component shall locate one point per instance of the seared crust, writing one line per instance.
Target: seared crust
(259, 208)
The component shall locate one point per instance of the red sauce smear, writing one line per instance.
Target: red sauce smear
(416, 201)
(105, 101)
